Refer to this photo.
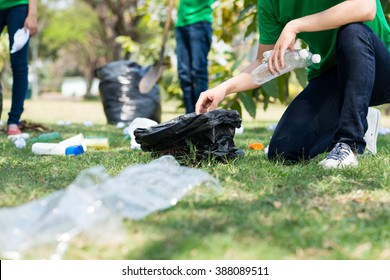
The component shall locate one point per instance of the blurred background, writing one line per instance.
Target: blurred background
(76, 37)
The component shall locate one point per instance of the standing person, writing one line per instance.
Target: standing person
(353, 39)
(16, 14)
(193, 41)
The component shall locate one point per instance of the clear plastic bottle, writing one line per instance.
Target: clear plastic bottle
(292, 60)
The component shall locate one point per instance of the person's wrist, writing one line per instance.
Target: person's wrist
(293, 26)
(225, 88)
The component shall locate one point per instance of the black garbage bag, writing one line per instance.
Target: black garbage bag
(207, 135)
(121, 98)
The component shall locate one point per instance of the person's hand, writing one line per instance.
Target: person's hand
(286, 41)
(31, 23)
(209, 100)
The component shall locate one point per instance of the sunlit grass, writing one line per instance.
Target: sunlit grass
(266, 210)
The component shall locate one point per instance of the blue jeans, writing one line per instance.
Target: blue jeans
(193, 44)
(14, 19)
(333, 107)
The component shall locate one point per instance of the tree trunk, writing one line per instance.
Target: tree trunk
(119, 18)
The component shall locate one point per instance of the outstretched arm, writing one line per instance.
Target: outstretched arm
(31, 21)
(210, 99)
(341, 14)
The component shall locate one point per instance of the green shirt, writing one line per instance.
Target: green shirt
(273, 15)
(193, 11)
(5, 4)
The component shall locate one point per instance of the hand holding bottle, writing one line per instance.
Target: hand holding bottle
(292, 60)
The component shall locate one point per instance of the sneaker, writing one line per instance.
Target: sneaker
(341, 156)
(13, 129)
(373, 117)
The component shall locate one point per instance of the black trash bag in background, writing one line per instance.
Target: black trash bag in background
(207, 135)
(122, 100)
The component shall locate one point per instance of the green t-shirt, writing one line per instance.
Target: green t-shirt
(193, 11)
(5, 4)
(273, 15)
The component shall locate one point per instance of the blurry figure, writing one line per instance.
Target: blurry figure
(193, 42)
(16, 15)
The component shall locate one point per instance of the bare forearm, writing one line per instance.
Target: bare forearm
(346, 12)
(32, 7)
(209, 99)
(241, 82)
(244, 81)
(31, 21)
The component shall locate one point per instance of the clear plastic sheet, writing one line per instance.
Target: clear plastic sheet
(94, 201)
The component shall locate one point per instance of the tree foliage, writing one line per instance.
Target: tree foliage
(119, 18)
(73, 38)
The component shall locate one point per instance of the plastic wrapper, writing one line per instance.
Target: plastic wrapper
(119, 90)
(207, 135)
(138, 123)
(20, 39)
(94, 201)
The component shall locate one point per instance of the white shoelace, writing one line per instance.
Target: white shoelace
(339, 152)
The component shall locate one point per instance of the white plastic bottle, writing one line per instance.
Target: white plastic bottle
(292, 60)
(56, 149)
(72, 146)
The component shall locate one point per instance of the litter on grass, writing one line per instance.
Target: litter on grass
(44, 228)
(138, 123)
(20, 143)
(206, 135)
(71, 146)
(97, 143)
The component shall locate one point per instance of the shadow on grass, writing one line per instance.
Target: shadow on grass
(264, 229)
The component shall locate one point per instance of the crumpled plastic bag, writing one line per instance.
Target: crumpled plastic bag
(20, 39)
(95, 201)
(138, 123)
(207, 135)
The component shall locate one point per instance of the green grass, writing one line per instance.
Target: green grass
(266, 210)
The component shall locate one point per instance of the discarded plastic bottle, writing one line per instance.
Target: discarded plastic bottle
(97, 143)
(292, 60)
(75, 141)
(46, 137)
(72, 146)
(56, 149)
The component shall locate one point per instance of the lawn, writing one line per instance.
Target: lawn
(266, 210)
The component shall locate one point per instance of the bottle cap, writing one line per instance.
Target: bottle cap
(303, 53)
(74, 150)
(266, 55)
(316, 58)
